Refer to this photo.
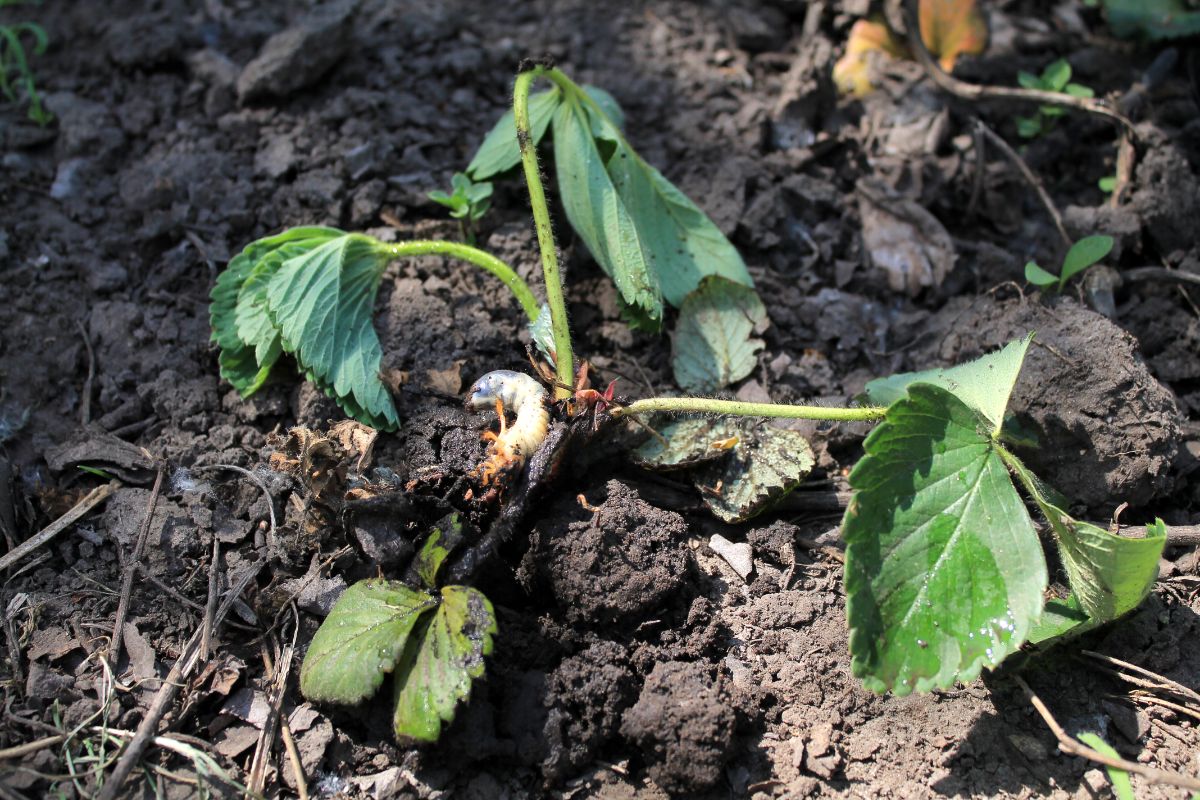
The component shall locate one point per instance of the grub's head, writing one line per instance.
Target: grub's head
(497, 384)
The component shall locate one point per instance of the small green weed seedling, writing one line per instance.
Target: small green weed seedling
(945, 574)
(1083, 254)
(1054, 78)
(468, 202)
(16, 76)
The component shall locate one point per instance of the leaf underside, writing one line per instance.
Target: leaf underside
(984, 384)
(500, 150)
(439, 665)
(944, 571)
(713, 344)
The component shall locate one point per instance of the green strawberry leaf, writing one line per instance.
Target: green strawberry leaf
(762, 466)
(541, 330)
(713, 344)
(1056, 75)
(597, 213)
(500, 151)
(322, 304)
(944, 571)
(361, 640)
(983, 384)
(1085, 253)
(440, 663)
(445, 536)
(1039, 276)
(237, 361)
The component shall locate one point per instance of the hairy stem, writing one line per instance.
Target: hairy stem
(704, 405)
(563, 356)
(472, 255)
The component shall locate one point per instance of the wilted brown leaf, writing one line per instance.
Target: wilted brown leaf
(950, 28)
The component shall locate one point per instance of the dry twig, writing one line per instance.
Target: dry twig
(1030, 178)
(90, 501)
(130, 569)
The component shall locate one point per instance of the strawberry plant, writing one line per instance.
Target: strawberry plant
(1056, 77)
(945, 573)
(468, 202)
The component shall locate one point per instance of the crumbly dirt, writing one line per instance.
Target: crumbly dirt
(632, 660)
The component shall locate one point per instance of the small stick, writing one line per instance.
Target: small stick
(130, 566)
(85, 406)
(183, 667)
(972, 91)
(1139, 274)
(210, 609)
(1073, 747)
(1027, 173)
(30, 747)
(980, 167)
(90, 501)
(1160, 681)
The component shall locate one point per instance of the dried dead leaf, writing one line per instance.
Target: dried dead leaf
(869, 38)
(54, 642)
(951, 28)
(903, 239)
(445, 381)
(356, 439)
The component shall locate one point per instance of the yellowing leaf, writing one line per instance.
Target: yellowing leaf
(851, 73)
(950, 28)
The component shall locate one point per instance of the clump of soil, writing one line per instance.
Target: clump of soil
(1106, 430)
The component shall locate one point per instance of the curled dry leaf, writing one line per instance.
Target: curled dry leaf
(903, 239)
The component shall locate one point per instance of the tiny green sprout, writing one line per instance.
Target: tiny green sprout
(1107, 184)
(1054, 78)
(16, 76)
(468, 202)
(1083, 254)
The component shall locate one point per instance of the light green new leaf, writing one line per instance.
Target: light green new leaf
(1056, 75)
(983, 384)
(542, 332)
(500, 151)
(944, 571)
(438, 667)
(597, 213)
(681, 244)
(1038, 276)
(322, 303)
(1084, 253)
(361, 640)
(713, 346)
(685, 443)
(762, 467)
(1121, 785)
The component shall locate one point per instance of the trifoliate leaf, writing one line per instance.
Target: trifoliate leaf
(763, 465)
(1038, 276)
(322, 304)
(686, 443)
(983, 384)
(596, 211)
(500, 151)
(361, 640)
(438, 666)
(944, 571)
(445, 536)
(542, 332)
(681, 244)
(713, 345)
(1084, 253)
(1119, 778)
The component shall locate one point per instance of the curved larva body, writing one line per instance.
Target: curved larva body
(505, 389)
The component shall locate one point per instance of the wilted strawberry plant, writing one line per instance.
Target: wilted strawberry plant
(945, 573)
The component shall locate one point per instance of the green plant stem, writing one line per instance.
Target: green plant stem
(472, 255)
(563, 355)
(704, 405)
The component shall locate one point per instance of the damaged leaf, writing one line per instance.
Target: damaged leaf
(713, 344)
(852, 72)
(742, 467)
(361, 640)
(903, 240)
(440, 665)
(441, 541)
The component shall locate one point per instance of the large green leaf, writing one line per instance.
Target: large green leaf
(237, 360)
(439, 665)
(597, 213)
(322, 304)
(983, 384)
(682, 244)
(944, 571)
(713, 344)
(362, 639)
(500, 150)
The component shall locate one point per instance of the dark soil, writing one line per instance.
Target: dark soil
(632, 661)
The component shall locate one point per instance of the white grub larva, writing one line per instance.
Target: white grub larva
(505, 389)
